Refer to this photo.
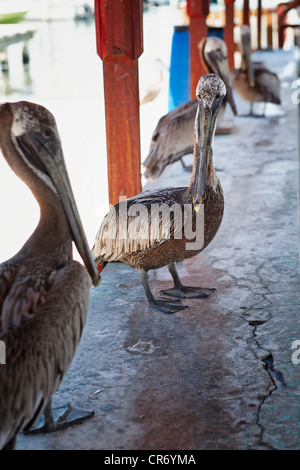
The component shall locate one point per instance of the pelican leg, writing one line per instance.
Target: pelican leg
(161, 304)
(264, 110)
(56, 419)
(251, 109)
(251, 113)
(188, 168)
(262, 115)
(185, 292)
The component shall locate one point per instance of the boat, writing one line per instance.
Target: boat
(12, 17)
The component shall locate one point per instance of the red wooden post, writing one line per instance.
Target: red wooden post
(246, 15)
(119, 34)
(281, 21)
(228, 32)
(259, 24)
(197, 11)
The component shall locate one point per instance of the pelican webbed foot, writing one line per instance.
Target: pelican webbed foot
(187, 292)
(162, 304)
(57, 419)
(180, 291)
(167, 305)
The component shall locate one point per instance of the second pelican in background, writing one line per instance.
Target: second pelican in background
(173, 135)
(252, 81)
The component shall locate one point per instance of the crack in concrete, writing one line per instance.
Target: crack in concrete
(267, 360)
(271, 386)
(276, 382)
(257, 314)
(276, 377)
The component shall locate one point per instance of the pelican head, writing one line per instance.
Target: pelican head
(210, 93)
(214, 52)
(245, 34)
(31, 144)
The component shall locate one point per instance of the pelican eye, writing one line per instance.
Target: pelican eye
(47, 133)
(155, 137)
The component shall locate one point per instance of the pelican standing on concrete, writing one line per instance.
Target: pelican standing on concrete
(151, 249)
(173, 135)
(252, 81)
(44, 294)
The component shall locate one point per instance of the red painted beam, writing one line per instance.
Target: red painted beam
(228, 32)
(197, 11)
(281, 15)
(246, 13)
(119, 35)
(259, 13)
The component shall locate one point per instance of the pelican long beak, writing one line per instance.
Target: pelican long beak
(50, 160)
(223, 72)
(205, 124)
(248, 62)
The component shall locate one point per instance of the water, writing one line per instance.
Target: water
(65, 75)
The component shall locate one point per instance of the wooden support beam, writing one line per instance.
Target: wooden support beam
(246, 13)
(119, 34)
(269, 15)
(197, 11)
(228, 32)
(259, 13)
(281, 19)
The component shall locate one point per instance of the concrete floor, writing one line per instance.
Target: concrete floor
(221, 374)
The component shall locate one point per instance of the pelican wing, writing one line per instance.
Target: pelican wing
(166, 147)
(268, 82)
(138, 224)
(39, 352)
(7, 273)
(23, 292)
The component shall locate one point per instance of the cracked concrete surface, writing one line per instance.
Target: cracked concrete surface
(219, 375)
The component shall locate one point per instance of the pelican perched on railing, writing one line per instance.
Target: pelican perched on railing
(173, 135)
(252, 81)
(44, 294)
(144, 234)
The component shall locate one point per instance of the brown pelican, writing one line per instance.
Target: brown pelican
(143, 233)
(44, 293)
(173, 135)
(213, 54)
(252, 81)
